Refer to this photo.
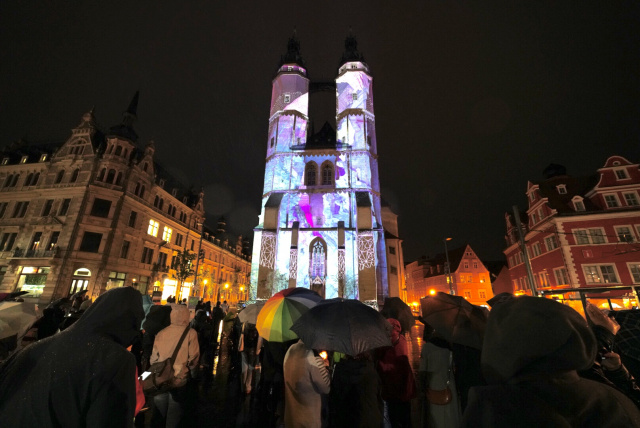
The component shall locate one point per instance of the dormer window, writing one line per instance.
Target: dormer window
(24, 159)
(287, 98)
(43, 158)
(161, 183)
(562, 189)
(621, 174)
(174, 192)
(5, 161)
(289, 68)
(578, 203)
(532, 196)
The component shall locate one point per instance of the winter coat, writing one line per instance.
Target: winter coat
(532, 350)
(394, 368)
(355, 398)
(167, 339)
(81, 377)
(306, 379)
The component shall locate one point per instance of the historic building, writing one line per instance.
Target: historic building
(468, 277)
(579, 231)
(96, 212)
(321, 224)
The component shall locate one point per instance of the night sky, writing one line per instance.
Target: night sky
(472, 99)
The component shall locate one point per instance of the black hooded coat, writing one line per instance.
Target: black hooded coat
(81, 377)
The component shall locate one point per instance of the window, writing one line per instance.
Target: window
(287, 98)
(100, 208)
(392, 250)
(46, 210)
(634, 269)
(532, 196)
(536, 249)
(166, 234)
(562, 189)
(14, 180)
(147, 255)
(600, 274)
(20, 209)
(64, 207)
(153, 228)
(482, 294)
(59, 176)
(35, 241)
(133, 216)
(3, 208)
(101, 175)
(393, 270)
(550, 242)
(327, 174)
(53, 240)
(8, 239)
(124, 251)
(178, 239)
(579, 205)
(162, 259)
(354, 96)
(475, 265)
(562, 277)
(597, 236)
(91, 242)
(466, 265)
(273, 140)
(624, 234)
(611, 201)
(74, 176)
(111, 175)
(43, 158)
(467, 294)
(118, 151)
(318, 259)
(543, 279)
(581, 236)
(117, 279)
(621, 174)
(631, 199)
(310, 174)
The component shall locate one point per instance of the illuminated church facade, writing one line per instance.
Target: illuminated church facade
(320, 225)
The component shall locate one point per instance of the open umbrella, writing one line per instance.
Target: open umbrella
(13, 295)
(250, 312)
(455, 319)
(158, 318)
(16, 318)
(283, 309)
(394, 307)
(343, 325)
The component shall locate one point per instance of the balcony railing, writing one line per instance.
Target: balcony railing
(35, 254)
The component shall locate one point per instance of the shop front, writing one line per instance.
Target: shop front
(170, 288)
(32, 279)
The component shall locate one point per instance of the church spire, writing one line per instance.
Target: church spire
(351, 52)
(293, 51)
(125, 129)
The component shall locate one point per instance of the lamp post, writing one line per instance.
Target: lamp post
(195, 278)
(447, 268)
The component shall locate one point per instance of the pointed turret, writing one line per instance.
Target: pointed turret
(351, 52)
(125, 129)
(293, 52)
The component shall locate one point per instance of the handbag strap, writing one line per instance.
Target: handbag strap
(179, 345)
(450, 365)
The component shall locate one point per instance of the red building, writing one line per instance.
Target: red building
(580, 232)
(469, 277)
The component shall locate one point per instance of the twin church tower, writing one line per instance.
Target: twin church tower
(321, 223)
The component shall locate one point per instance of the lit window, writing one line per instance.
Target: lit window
(166, 234)
(611, 201)
(467, 294)
(600, 274)
(153, 228)
(318, 260)
(631, 199)
(42, 158)
(634, 268)
(24, 159)
(624, 234)
(482, 294)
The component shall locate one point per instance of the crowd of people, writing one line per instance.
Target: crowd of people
(540, 364)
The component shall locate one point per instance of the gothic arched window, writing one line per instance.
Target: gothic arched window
(327, 173)
(28, 180)
(111, 176)
(59, 176)
(74, 176)
(119, 179)
(310, 174)
(103, 171)
(118, 151)
(36, 177)
(318, 259)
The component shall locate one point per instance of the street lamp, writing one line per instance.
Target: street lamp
(447, 267)
(195, 278)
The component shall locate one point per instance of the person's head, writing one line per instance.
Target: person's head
(526, 336)
(225, 302)
(179, 315)
(218, 304)
(184, 300)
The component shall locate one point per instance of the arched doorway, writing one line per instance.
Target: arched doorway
(318, 266)
(80, 280)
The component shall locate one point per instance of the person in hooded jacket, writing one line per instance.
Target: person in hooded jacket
(532, 350)
(81, 377)
(170, 406)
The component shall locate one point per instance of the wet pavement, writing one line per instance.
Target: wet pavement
(217, 400)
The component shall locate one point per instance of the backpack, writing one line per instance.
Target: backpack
(160, 376)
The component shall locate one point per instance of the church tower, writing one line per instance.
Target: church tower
(320, 225)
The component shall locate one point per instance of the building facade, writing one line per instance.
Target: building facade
(321, 224)
(469, 277)
(580, 231)
(97, 212)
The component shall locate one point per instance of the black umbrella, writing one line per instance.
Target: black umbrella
(343, 325)
(394, 307)
(158, 318)
(455, 319)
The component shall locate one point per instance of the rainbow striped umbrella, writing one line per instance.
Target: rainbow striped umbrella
(283, 309)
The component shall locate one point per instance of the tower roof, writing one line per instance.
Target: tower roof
(125, 129)
(293, 52)
(351, 52)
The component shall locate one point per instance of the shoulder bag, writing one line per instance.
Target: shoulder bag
(161, 377)
(442, 397)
